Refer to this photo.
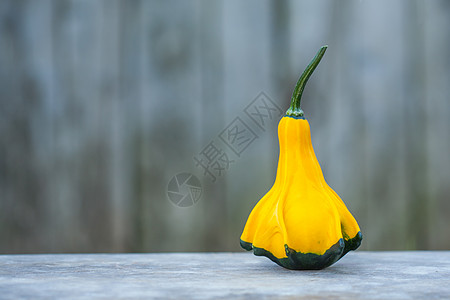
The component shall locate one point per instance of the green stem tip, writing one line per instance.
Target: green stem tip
(294, 110)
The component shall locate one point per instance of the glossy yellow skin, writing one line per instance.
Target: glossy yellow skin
(300, 210)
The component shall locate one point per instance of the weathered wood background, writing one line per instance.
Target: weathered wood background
(103, 102)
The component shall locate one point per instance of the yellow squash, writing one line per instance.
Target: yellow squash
(301, 223)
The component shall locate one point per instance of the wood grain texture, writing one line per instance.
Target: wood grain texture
(360, 275)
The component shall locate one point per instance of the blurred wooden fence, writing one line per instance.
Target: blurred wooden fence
(103, 102)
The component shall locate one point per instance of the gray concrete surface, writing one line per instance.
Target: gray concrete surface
(359, 275)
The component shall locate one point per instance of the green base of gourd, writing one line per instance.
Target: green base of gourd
(308, 261)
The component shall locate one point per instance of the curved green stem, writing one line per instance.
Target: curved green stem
(294, 110)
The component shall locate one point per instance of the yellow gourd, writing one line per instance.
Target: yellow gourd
(301, 223)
